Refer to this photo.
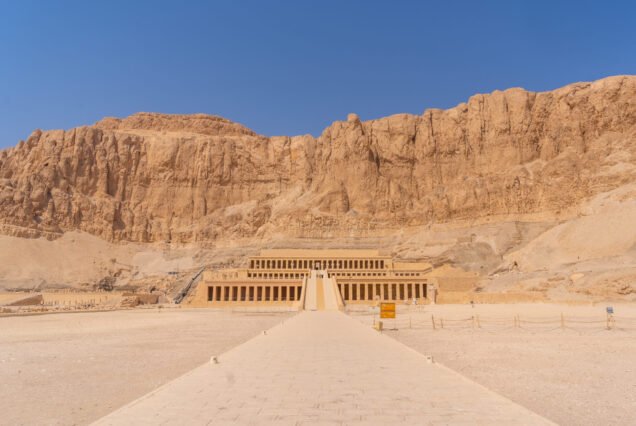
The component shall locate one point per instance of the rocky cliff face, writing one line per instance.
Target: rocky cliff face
(199, 178)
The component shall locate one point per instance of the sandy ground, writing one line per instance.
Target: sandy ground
(580, 375)
(75, 368)
(80, 260)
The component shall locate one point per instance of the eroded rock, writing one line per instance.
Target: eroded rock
(199, 178)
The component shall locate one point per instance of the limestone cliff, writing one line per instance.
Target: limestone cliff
(198, 178)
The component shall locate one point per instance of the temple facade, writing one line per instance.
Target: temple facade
(287, 277)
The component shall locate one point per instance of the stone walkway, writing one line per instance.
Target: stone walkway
(322, 367)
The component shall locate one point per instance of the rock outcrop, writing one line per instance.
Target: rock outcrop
(199, 178)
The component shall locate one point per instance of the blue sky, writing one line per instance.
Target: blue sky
(292, 67)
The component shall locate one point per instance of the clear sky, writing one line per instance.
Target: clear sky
(292, 67)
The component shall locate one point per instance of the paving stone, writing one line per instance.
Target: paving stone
(322, 367)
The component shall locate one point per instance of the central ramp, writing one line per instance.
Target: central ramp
(321, 292)
(311, 298)
(322, 366)
(329, 293)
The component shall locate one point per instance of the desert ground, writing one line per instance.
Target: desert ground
(581, 374)
(73, 368)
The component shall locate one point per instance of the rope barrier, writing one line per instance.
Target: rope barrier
(625, 319)
(476, 322)
(540, 321)
(456, 320)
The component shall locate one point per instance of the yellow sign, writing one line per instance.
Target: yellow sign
(387, 310)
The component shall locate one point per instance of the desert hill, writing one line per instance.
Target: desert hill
(490, 183)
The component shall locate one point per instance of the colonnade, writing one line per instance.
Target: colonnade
(325, 263)
(277, 275)
(241, 292)
(269, 275)
(354, 291)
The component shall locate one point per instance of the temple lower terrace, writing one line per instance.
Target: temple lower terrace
(316, 279)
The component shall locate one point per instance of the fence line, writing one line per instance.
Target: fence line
(440, 322)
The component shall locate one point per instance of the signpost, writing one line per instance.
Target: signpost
(387, 310)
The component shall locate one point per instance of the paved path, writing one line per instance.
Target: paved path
(322, 367)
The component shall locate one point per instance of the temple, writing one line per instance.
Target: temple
(316, 279)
